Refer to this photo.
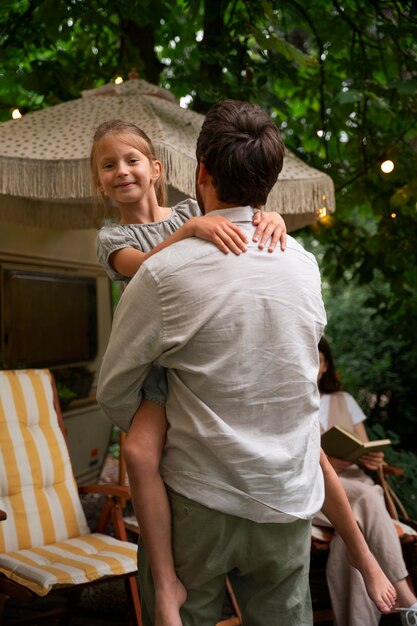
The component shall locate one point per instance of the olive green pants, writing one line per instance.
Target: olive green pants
(267, 564)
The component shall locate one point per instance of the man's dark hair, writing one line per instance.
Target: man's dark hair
(242, 150)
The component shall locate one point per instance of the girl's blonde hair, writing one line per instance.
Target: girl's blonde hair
(143, 143)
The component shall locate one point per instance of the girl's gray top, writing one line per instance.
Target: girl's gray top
(143, 237)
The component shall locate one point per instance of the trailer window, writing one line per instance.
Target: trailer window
(47, 318)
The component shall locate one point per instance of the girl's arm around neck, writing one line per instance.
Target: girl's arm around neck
(216, 228)
(226, 235)
(127, 261)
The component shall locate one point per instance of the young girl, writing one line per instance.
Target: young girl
(125, 168)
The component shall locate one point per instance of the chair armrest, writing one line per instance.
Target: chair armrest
(3, 515)
(393, 471)
(111, 512)
(117, 491)
(393, 503)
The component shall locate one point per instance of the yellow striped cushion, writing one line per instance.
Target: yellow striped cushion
(74, 561)
(37, 488)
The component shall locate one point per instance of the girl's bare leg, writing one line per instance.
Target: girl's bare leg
(337, 509)
(142, 453)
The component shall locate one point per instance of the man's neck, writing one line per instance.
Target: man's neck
(218, 206)
(207, 193)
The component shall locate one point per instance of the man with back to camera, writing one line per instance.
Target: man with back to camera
(238, 336)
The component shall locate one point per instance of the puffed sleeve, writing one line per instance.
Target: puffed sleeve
(187, 209)
(354, 409)
(108, 240)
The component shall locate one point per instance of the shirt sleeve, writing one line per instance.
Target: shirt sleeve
(135, 343)
(110, 239)
(354, 409)
(324, 412)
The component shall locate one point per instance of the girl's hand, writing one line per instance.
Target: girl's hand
(338, 464)
(270, 226)
(220, 231)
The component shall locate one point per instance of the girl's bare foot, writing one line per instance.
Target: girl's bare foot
(168, 601)
(379, 588)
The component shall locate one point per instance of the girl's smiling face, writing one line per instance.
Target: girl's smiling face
(125, 174)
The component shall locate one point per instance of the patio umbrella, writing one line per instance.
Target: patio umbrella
(44, 168)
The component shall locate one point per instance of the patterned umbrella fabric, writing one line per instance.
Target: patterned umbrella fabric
(44, 159)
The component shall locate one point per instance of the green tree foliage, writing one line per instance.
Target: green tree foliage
(375, 361)
(341, 81)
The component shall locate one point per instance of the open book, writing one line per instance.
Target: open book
(343, 444)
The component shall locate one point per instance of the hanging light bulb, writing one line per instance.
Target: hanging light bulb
(16, 114)
(322, 211)
(118, 80)
(387, 166)
(393, 216)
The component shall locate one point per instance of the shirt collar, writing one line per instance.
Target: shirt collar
(236, 214)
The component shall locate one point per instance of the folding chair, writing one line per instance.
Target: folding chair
(320, 598)
(45, 543)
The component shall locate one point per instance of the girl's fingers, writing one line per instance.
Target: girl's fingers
(236, 234)
(232, 239)
(257, 217)
(267, 231)
(278, 235)
(260, 227)
(221, 245)
(269, 227)
(228, 236)
(266, 236)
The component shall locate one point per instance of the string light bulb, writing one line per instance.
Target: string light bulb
(322, 211)
(16, 114)
(387, 166)
(393, 216)
(118, 80)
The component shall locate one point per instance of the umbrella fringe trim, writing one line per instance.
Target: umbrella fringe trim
(54, 188)
(302, 196)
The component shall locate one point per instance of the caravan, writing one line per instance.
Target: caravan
(56, 312)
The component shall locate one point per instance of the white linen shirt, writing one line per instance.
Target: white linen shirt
(239, 337)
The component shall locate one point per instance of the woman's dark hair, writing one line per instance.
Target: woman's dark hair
(329, 382)
(242, 150)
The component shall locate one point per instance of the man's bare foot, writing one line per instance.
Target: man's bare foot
(168, 601)
(379, 588)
